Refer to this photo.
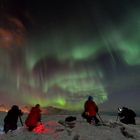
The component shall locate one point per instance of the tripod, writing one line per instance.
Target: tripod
(100, 118)
(21, 120)
(117, 118)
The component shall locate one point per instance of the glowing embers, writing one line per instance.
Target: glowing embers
(50, 129)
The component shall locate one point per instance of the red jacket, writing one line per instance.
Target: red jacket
(91, 108)
(34, 117)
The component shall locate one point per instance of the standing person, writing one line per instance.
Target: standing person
(10, 121)
(33, 118)
(90, 110)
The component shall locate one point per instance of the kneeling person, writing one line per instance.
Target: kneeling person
(127, 116)
(33, 118)
(90, 111)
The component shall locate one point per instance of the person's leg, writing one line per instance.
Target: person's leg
(30, 128)
(96, 119)
(132, 121)
(124, 120)
(14, 127)
(89, 119)
(6, 128)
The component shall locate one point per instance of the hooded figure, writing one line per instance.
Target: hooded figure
(127, 116)
(33, 118)
(10, 121)
(90, 110)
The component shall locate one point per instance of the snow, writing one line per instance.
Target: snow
(51, 129)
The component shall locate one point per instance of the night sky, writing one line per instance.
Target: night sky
(57, 53)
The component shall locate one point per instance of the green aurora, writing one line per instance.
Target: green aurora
(64, 64)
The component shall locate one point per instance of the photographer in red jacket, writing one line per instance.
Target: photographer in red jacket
(90, 111)
(33, 118)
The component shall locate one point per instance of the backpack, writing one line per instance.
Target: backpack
(132, 113)
(70, 119)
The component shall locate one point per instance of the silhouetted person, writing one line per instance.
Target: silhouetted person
(33, 118)
(10, 121)
(90, 110)
(127, 116)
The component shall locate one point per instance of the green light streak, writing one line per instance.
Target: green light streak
(131, 53)
(77, 83)
(85, 51)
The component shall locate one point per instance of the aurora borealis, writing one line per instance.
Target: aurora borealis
(57, 53)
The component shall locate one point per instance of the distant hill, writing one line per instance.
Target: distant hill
(3, 108)
(53, 110)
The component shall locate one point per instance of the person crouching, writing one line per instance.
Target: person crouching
(33, 118)
(127, 116)
(10, 121)
(90, 110)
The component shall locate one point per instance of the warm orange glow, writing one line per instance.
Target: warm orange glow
(6, 38)
(12, 33)
(25, 109)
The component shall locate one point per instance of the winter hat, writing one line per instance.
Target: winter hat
(15, 107)
(37, 105)
(90, 98)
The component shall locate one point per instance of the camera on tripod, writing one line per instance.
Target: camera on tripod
(120, 110)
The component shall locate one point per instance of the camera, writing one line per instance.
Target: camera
(119, 110)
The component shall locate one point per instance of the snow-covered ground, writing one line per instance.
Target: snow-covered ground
(52, 130)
